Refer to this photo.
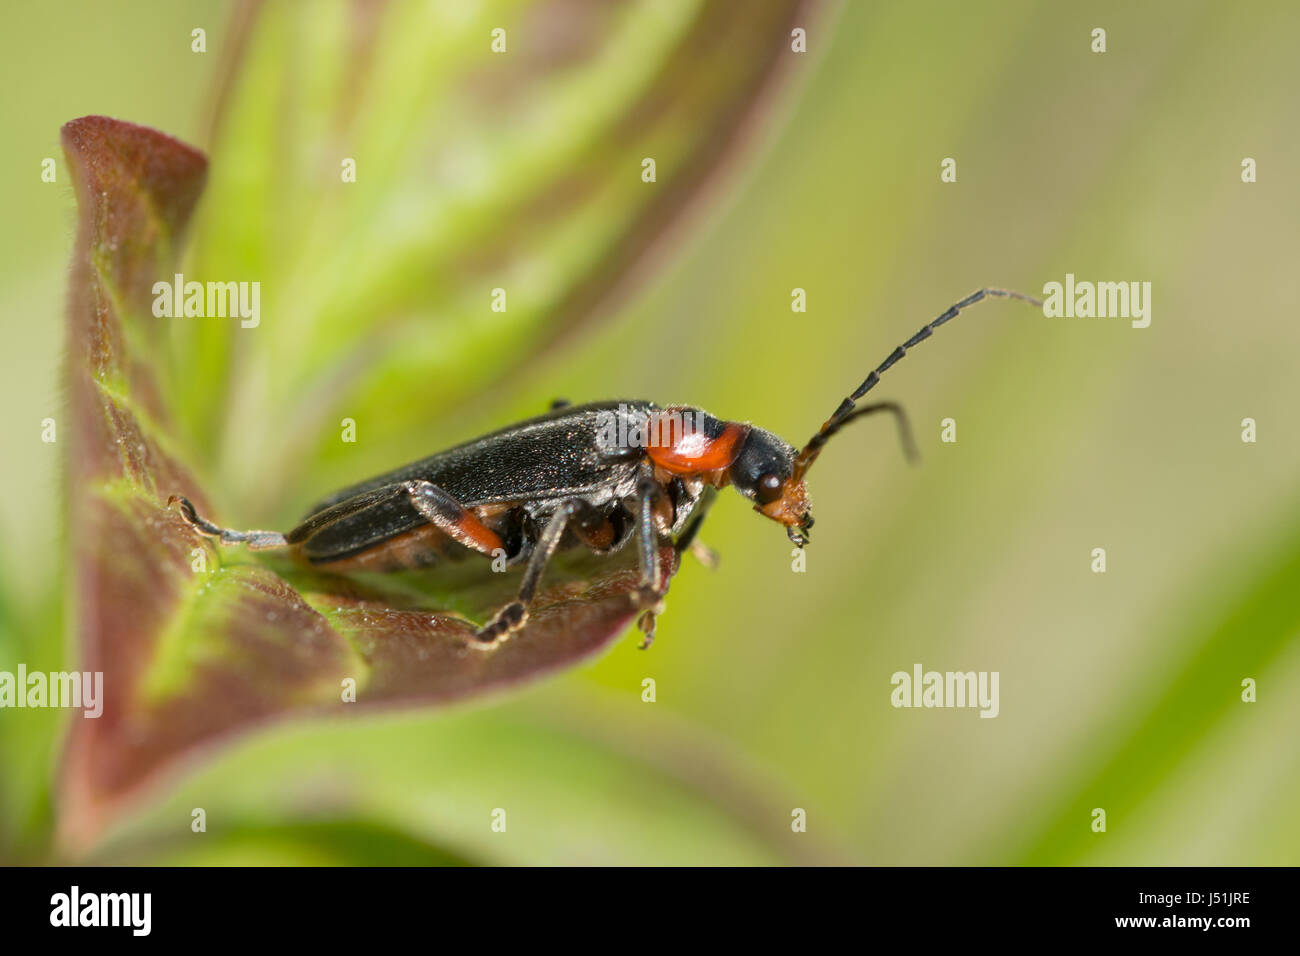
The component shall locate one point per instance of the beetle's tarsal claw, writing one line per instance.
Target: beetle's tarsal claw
(651, 603)
(192, 518)
(504, 623)
(647, 625)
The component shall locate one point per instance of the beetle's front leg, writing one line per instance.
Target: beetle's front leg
(514, 615)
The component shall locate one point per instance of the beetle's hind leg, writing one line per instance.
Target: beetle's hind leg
(451, 517)
(514, 615)
(256, 540)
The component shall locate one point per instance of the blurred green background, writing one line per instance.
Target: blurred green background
(1119, 690)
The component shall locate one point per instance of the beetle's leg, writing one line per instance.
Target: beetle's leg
(451, 517)
(652, 587)
(559, 403)
(514, 615)
(256, 540)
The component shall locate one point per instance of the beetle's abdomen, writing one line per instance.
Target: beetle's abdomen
(421, 547)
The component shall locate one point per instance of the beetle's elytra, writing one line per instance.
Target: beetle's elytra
(597, 475)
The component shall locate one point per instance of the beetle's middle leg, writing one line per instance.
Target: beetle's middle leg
(652, 586)
(514, 615)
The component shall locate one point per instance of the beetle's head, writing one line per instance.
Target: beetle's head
(769, 472)
(764, 472)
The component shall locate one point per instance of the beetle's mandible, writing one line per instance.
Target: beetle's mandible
(597, 475)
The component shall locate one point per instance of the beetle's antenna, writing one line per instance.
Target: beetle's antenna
(848, 408)
(905, 436)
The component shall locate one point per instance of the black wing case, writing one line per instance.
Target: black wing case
(557, 455)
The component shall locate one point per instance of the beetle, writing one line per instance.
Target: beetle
(597, 475)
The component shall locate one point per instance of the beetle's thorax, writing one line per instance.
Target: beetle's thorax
(683, 441)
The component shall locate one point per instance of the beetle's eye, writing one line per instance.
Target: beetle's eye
(768, 489)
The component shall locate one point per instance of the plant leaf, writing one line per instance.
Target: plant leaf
(190, 657)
